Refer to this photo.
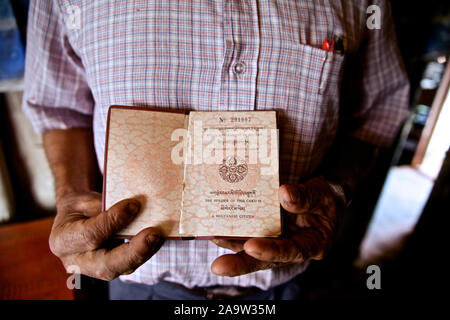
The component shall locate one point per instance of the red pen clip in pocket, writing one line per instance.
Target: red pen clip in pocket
(328, 45)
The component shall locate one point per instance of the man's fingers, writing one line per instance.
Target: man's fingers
(309, 240)
(127, 257)
(232, 265)
(96, 230)
(311, 197)
(234, 245)
(274, 250)
(294, 198)
(305, 243)
(109, 264)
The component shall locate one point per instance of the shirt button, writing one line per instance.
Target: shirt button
(239, 68)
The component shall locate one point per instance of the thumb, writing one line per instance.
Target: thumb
(295, 198)
(108, 223)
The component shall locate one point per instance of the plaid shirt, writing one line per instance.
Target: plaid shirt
(217, 55)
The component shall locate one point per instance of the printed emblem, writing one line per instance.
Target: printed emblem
(233, 169)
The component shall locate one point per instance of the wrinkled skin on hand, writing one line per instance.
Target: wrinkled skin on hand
(312, 210)
(81, 230)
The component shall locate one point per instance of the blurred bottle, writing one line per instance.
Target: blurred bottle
(432, 75)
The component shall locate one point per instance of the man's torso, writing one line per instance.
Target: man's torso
(219, 55)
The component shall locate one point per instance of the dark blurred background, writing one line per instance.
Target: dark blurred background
(394, 222)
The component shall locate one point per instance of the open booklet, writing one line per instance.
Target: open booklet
(197, 175)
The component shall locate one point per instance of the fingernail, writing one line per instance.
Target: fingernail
(288, 196)
(133, 207)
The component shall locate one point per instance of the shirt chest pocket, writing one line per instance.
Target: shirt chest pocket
(318, 73)
(302, 82)
(299, 78)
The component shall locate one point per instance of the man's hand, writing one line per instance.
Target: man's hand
(312, 222)
(80, 230)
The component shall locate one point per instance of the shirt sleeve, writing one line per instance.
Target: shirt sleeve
(56, 94)
(383, 95)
